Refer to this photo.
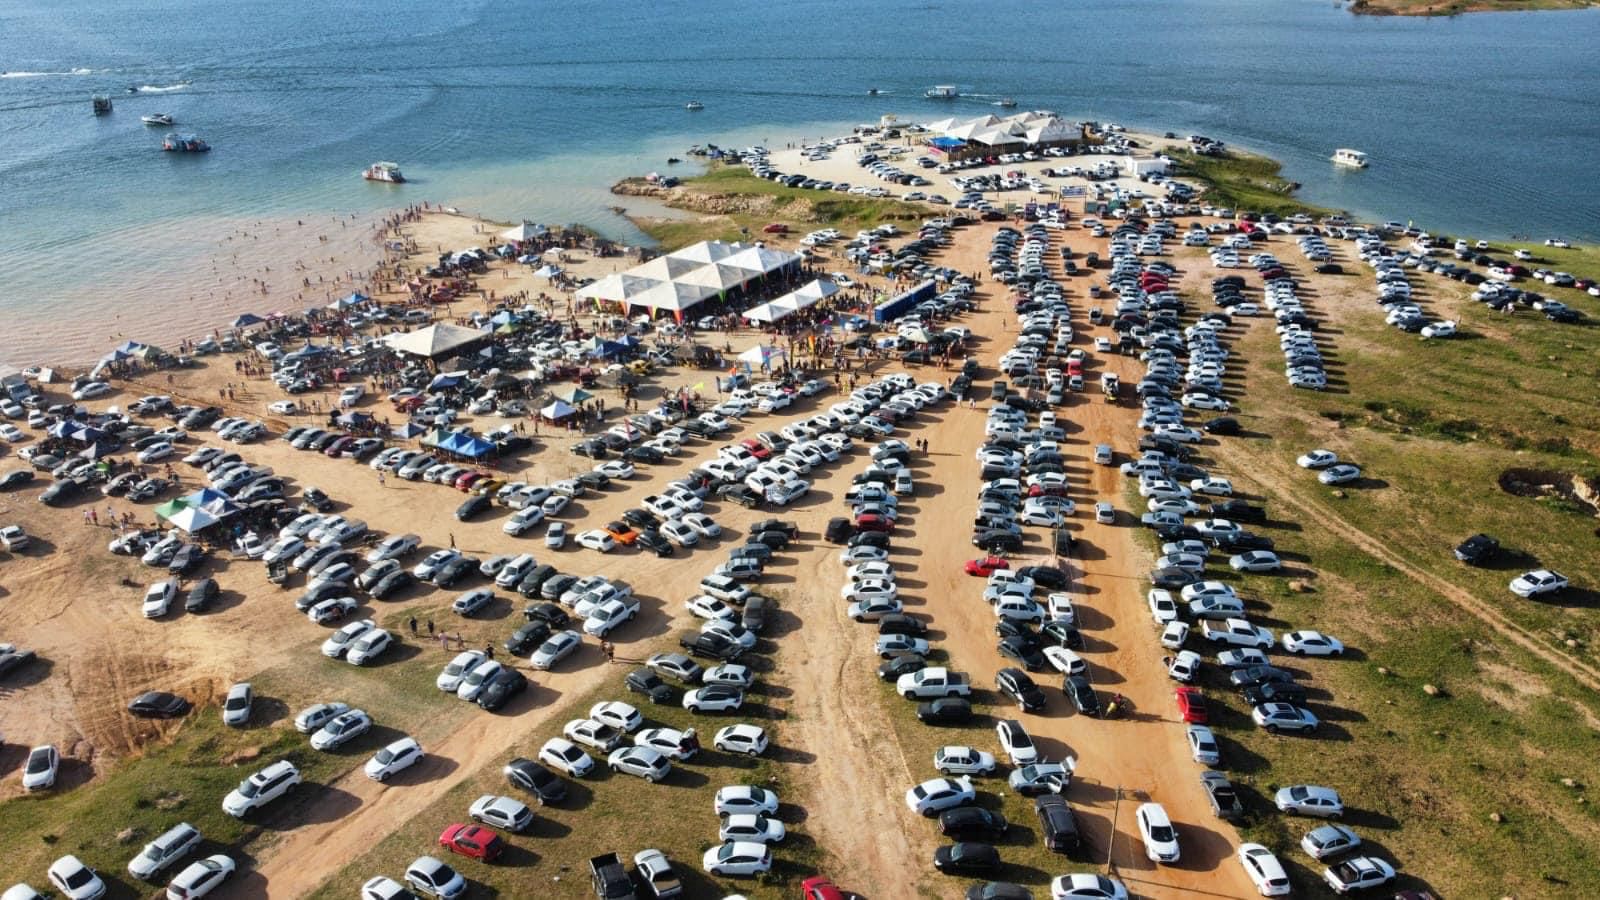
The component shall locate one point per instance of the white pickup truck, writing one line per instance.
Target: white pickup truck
(933, 683)
(1237, 632)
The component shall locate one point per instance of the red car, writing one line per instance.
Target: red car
(987, 566)
(339, 446)
(1047, 490)
(466, 480)
(819, 888)
(473, 841)
(776, 228)
(1192, 706)
(874, 522)
(756, 448)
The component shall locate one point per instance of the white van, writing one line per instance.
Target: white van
(725, 589)
(514, 571)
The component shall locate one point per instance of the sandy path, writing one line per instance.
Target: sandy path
(1140, 757)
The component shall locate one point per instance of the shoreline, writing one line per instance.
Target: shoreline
(1383, 8)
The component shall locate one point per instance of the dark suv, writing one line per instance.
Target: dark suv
(1057, 823)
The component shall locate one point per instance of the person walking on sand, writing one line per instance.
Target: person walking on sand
(452, 540)
(430, 625)
(609, 650)
(413, 624)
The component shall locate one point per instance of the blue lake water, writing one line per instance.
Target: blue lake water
(1481, 124)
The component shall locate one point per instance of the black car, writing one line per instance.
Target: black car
(1226, 803)
(1045, 576)
(548, 613)
(790, 529)
(527, 637)
(1081, 693)
(535, 579)
(556, 586)
(644, 454)
(202, 595)
(1477, 550)
(505, 684)
(1020, 688)
(712, 646)
(903, 664)
(998, 890)
(1057, 824)
(536, 780)
(1173, 577)
(758, 610)
(902, 623)
(320, 592)
(877, 539)
(390, 583)
(1060, 634)
(839, 530)
(1242, 540)
(59, 491)
(455, 570)
(966, 858)
(758, 552)
(1024, 651)
(945, 711)
(773, 539)
(1222, 425)
(591, 448)
(1238, 511)
(640, 518)
(316, 499)
(1275, 692)
(472, 508)
(997, 541)
(15, 478)
(644, 681)
(158, 705)
(595, 481)
(651, 540)
(972, 821)
(740, 494)
(1250, 676)
(187, 557)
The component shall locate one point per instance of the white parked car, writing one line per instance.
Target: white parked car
(1203, 745)
(750, 740)
(1311, 643)
(738, 858)
(72, 878)
(201, 877)
(956, 760)
(1538, 583)
(1264, 870)
(1339, 474)
(261, 788)
(1309, 800)
(236, 708)
(39, 770)
(1317, 459)
(936, 795)
(742, 798)
(393, 759)
(1155, 829)
(369, 647)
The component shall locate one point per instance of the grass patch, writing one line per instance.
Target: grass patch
(732, 204)
(1245, 182)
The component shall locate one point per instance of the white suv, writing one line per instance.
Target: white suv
(261, 788)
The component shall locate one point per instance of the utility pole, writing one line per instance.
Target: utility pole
(1111, 842)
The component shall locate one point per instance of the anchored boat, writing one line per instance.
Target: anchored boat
(1355, 159)
(184, 143)
(156, 119)
(384, 171)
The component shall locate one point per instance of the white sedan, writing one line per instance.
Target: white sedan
(1264, 870)
(1317, 459)
(565, 756)
(703, 525)
(1339, 474)
(1311, 643)
(936, 795)
(559, 646)
(1255, 561)
(751, 740)
(707, 607)
(738, 858)
(1219, 487)
(397, 757)
(956, 760)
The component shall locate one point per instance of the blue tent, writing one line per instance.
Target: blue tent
(246, 320)
(446, 380)
(349, 301)
(474, 447)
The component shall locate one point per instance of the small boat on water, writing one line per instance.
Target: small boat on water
(872, 92)
(384, 171)
(673, 159)
(102, 105)
(942, 92)
(1006, 102)
(694, 104)
(1355, 159)
(156, 119)
(184, 143)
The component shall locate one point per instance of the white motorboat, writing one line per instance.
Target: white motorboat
(384, 171)
(1355, 159)
(694, 104)
(156, 119)
(942, 92)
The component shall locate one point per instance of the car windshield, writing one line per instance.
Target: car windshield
(1160, 833)
(248, 788)
(237, 701)
(38, 762)
(384, 756)
(78, 878)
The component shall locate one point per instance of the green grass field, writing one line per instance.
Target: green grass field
(1510, 735)
(1243, 181)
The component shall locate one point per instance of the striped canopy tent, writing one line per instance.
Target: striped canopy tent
(617, 288)
(708, 251)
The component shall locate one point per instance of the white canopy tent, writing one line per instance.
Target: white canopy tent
(708, 251)
(524, 232)
(762, 313)
(557, 410)
(716, 276)
(673, 296)
(665, 268)
(617, 288)
(764, 260)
